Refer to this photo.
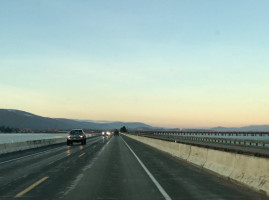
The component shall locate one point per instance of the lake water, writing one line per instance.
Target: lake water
(21, 137)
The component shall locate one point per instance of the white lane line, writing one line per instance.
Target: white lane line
(37, 154)
(80, 176)
(7, 161)
(160, 188)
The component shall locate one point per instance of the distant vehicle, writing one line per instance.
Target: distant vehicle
(76, 135)
(106, 133)
(116, 132)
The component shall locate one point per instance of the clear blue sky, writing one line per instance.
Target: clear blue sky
(191, 63)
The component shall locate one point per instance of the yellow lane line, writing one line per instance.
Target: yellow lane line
(81, 155)
(31, 187)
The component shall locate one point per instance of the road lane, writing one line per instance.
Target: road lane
(9, 157)
(115, 174)
(18, 172)
(157, 184)
(182, 180)
(107, 169)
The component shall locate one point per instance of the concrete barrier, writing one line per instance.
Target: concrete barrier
(252, 171)
(184, 151)
(249, 170)
(19, 146)
(174, 148)
(198, 156)
(220, 162)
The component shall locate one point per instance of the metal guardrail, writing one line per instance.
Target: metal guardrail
(204, 133)
(216, 133)
(213, 137)
(258, 148)
(226, 141)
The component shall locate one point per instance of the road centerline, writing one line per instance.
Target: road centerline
(81, 155)
(31, 187)
(160, 188)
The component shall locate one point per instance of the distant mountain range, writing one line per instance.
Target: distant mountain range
(23, 120)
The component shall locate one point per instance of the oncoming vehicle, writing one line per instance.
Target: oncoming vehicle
(106, 133)
(76, 135)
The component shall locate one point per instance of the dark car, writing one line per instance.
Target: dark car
(116, 132)
(76, 135)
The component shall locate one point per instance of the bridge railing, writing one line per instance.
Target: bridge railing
(247, 139)
(229, 141)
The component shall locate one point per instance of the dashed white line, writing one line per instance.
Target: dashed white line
(7, 161)
(11, 160)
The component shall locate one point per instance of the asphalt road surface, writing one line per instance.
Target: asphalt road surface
(110, 168)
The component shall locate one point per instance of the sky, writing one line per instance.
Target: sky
(172, 63)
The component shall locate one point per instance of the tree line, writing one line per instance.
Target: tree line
(123, 129)
(7, 129)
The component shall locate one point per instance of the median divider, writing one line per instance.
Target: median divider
(197, 156)
(248, 170)
(220, 162)
(184, 151)
(252, 171)
(19, 146)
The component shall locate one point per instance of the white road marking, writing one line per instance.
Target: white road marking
(11, 160)
(7, 161)
(80, 176)
(160, 188)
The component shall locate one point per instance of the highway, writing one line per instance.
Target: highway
(110, 168)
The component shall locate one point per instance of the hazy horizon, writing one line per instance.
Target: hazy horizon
(153, 125)
(164, 63)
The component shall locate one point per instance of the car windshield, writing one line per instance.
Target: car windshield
(76, 132)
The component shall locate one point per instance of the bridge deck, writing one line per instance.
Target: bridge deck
(107, 169)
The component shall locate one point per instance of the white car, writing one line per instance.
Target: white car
(76, 135)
